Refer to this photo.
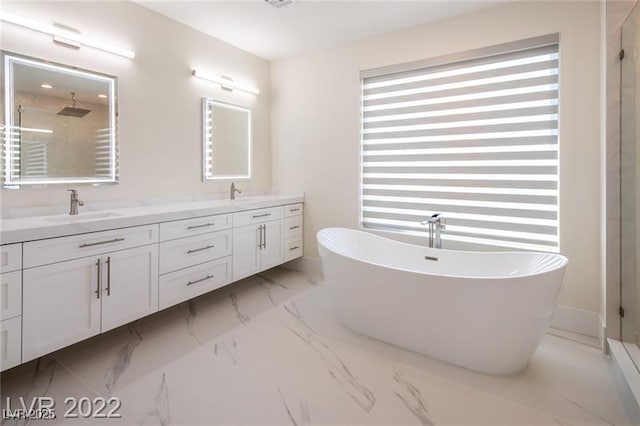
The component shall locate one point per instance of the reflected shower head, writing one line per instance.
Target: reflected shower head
(72, 111)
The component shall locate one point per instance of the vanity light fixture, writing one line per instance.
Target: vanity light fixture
(46, 86)
(226, 82)
(64, 35)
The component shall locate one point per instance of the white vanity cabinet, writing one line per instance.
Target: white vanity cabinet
(257, 241)
(68, 301)
(10, 305)
(59, 288)
(195, 257)
(292, 231)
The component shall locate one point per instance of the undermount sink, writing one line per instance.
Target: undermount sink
(81, 217)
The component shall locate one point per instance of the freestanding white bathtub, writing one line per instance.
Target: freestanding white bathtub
(486, 311)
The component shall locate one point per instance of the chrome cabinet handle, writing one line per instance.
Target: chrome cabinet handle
(264, 229)
(99, 274)
(201, 226)
(294, 227)
(294, 248)
(255, 216)
(115, 240)
(294, 210)
(208, 277)
(109, 276)
(200, 249)
(260, 237)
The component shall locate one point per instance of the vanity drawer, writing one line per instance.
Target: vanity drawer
(195, 226)
(10, 257)
(257, 216)
(10, 295)
(188, 283)
(292, 227)
(10, 343)
(292, 248)
(61, 249)
(293, 210)
(184, 252)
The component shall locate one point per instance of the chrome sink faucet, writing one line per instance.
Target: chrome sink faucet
(436, 225)
(74, 202)
(233, 190)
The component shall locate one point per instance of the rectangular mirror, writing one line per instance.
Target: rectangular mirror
(226, 141)
(59, 124)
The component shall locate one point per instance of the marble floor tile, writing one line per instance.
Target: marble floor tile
(269, 351)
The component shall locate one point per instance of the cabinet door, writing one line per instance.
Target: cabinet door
(10, 336)
(60, 306)
(271, 253)
(130, 285)
(246, 259)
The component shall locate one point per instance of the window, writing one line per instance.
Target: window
(473, 138)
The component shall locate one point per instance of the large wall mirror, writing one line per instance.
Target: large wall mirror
(226, 141)
(59, 124)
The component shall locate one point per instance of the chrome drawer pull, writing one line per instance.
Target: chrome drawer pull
(201, 226)
(208, 277)
(115, 240)
(295, 210)
(294, 248)
(200, 249)
(294, 227)
(255, 216)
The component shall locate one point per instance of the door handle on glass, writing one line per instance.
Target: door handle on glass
(109, 276)
(99, 274)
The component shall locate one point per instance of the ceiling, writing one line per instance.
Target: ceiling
(306, 25)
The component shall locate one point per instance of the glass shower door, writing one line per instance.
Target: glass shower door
(630, 183)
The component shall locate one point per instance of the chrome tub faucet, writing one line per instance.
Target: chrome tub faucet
(436, 225)
(233, 190)
(74, 202)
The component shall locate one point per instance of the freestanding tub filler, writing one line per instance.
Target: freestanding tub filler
(486, 311)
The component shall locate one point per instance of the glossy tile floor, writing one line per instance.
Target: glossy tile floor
(268, 350)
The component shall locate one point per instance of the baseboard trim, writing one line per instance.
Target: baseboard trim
(578, 321)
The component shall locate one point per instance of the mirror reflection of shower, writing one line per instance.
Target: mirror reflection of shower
(73, 111)
(62, 124)
(31, 150)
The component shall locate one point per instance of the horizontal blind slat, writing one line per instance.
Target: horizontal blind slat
(510, 114)
(516, 72)
(461, 66)
(527, 84)
(544, 94)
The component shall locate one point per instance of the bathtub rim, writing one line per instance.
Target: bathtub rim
(564, 259)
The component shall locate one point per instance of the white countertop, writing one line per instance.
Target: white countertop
(38, 227)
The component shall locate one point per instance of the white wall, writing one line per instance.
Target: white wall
(159, 100)
(316, 115)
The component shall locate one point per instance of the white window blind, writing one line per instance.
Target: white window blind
(475, 139)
